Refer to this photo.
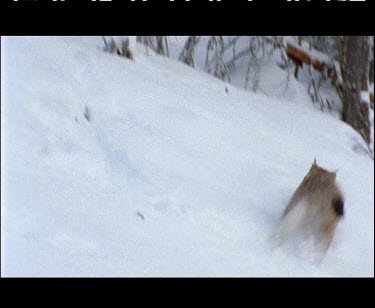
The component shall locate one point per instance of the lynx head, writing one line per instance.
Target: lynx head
(329, 178)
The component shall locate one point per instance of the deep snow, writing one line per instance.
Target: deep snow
(172, 176)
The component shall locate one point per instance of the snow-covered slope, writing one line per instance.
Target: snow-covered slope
(170, 176)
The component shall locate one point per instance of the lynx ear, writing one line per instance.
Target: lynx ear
(314, 163)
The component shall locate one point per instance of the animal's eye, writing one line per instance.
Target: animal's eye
(338, 207)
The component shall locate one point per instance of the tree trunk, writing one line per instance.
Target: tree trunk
(160, 45)
(354, 54)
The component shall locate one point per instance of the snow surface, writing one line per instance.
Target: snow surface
(171, 175)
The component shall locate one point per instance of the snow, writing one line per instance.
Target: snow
(209, 171)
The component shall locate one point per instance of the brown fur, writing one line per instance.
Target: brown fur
(324, 202)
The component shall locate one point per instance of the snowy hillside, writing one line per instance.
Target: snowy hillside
(112, 167)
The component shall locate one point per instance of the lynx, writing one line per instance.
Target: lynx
(315, 208)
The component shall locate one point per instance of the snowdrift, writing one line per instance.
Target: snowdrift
(112, 167)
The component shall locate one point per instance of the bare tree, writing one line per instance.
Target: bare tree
(354, 57)
(325, 44)
(159, 44)
(187, 54)
(120, 46)
(222, 56)
(162, 45)
(215, 63)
